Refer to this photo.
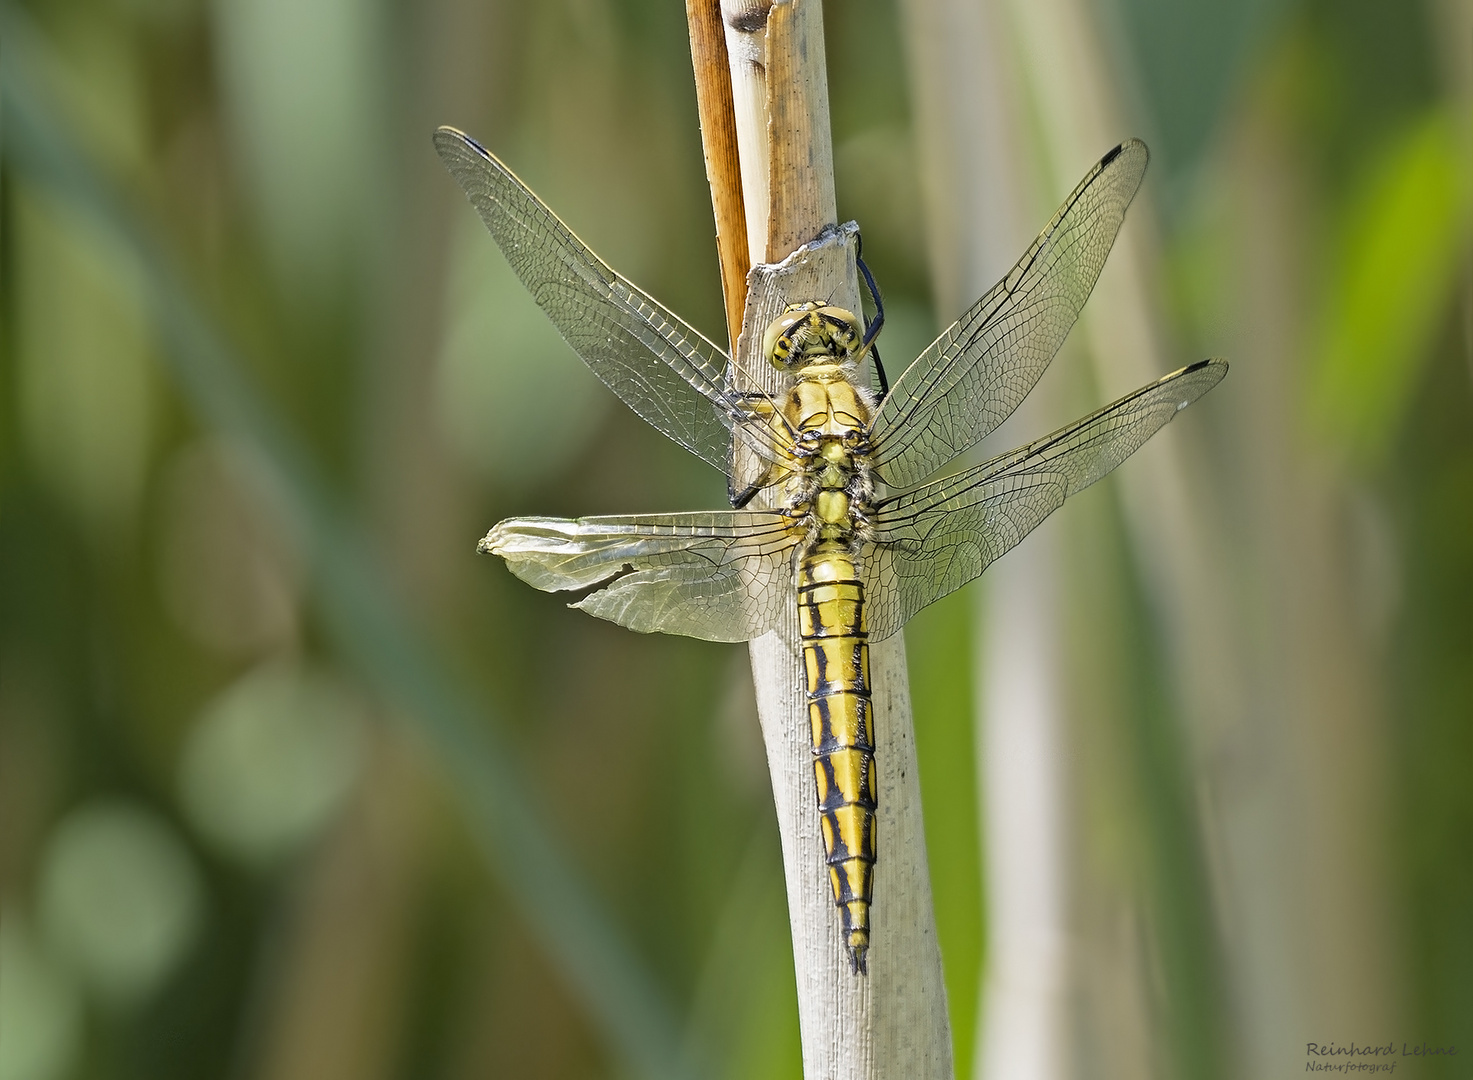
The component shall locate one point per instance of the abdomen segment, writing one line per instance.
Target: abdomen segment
(836, 661)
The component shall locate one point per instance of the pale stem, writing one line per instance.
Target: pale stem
(893, 1022)
(745, 23)
(970, 154)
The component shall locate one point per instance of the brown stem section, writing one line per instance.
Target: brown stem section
(719, 143)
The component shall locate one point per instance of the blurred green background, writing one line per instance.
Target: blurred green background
(294, 785)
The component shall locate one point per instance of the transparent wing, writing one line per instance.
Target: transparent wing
(971, 378)
(934, 539)
(661, 367)
(720, 576)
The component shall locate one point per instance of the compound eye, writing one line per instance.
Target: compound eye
(840, 315)
(844, 330)
(777, 344)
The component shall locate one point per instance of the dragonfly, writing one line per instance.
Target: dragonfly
(853, 535)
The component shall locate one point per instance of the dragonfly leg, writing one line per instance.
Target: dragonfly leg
(873, 328)
(740, 499)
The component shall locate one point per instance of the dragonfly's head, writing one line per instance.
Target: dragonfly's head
(810, 332)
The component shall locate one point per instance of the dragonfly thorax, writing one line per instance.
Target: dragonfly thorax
(824, 403)
(830, 488)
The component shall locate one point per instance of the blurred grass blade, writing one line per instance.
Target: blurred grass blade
(363, 621)
(1403, 240)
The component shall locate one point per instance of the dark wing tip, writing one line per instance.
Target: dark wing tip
(1134, 146)
(1214, 368)
(1214, 363)
(447, 135)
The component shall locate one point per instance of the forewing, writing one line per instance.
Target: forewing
(720, 576)
(661, 367)
(971, 378)
(934, 539)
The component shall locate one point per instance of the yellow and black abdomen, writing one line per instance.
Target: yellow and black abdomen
(836, 659)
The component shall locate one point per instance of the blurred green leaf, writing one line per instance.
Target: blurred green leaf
(1400, 246)
(1190, 61)
(82, 363)
(303, 86)
(940, 651)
